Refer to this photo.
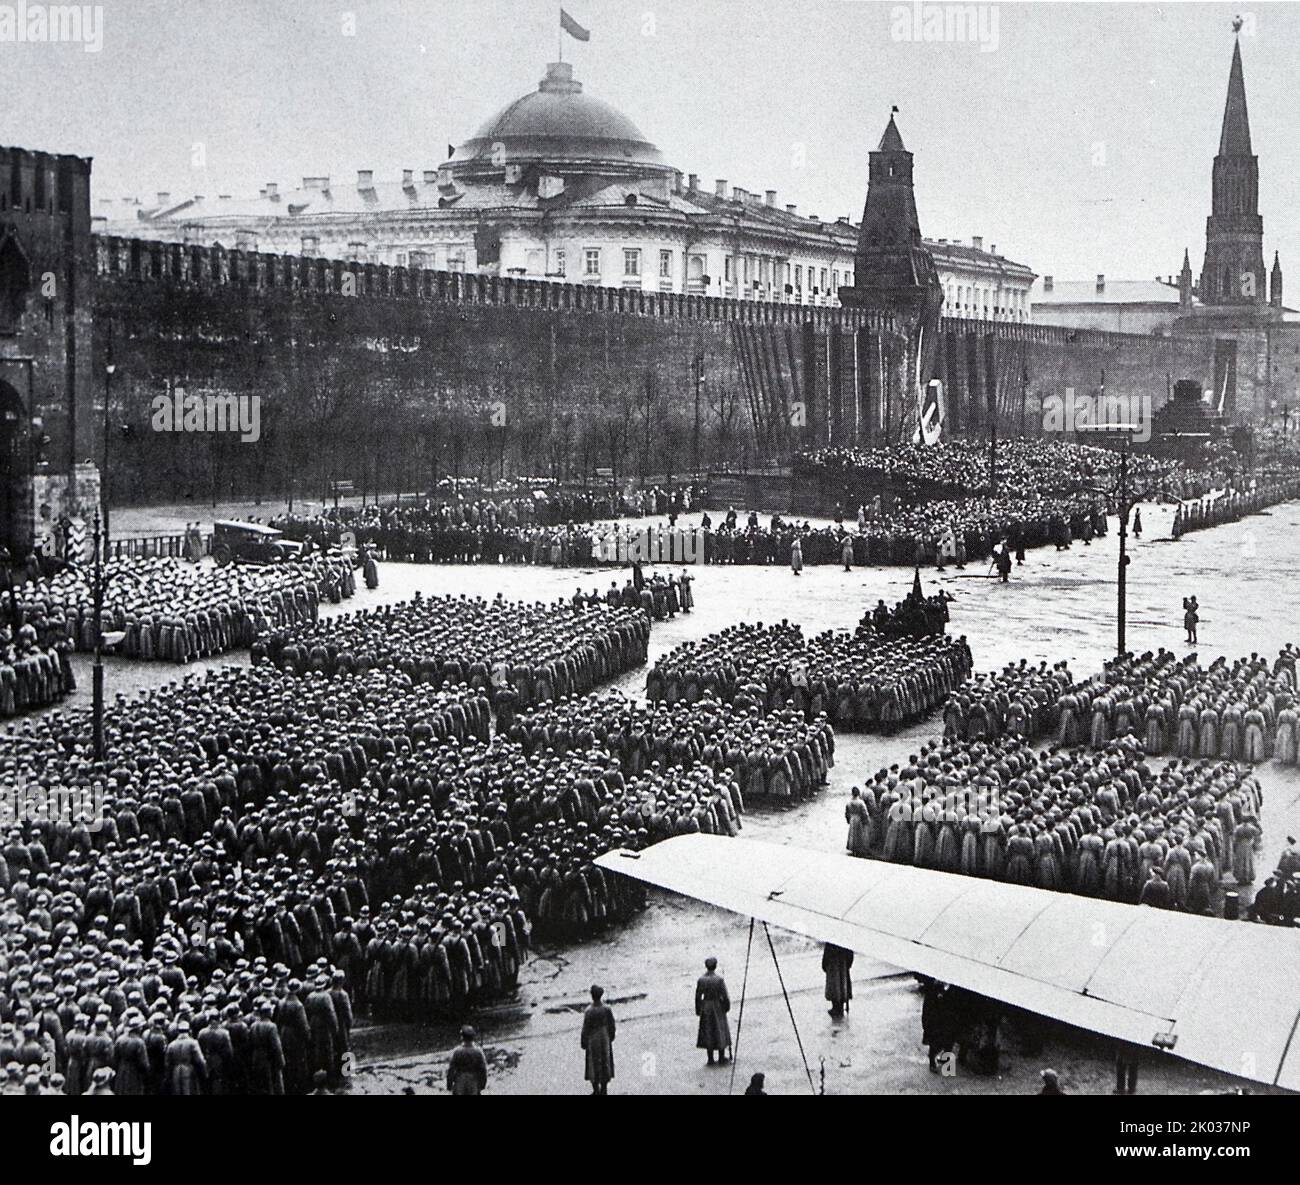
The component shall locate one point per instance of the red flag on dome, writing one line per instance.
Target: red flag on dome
(572, 28)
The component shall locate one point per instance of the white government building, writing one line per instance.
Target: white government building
(560, 186)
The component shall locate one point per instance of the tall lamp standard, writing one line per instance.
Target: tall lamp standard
(100, 540)
(97, 709)
(110, 368)
(1125, 499)
(1125, 506)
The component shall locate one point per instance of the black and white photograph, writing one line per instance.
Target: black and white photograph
(648, 548)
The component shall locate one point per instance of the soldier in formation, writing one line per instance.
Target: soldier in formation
(526, 654)
(780, 755)
(35, 670)
(169, 611)
(864, 682)
(1097, 822)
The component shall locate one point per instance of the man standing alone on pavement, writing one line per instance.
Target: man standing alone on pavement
(837, 962)
(712, 1005)
(467, 1072)
(598, 1042)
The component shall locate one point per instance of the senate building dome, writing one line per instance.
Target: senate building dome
(558, 125)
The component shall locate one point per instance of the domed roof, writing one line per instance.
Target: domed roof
(559, 124)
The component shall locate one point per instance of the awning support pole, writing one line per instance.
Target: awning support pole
(794, 1024)
(740, 1018)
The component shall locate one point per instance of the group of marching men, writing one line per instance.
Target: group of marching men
(169, 611)
(915, 616)
(779, 755)
(524, 526)
(865, 682)
(34, 673)
(523, 653)
(1245, 711)
(269, 840)
(659, 598)
(1099, 822)
(1024, 468)
(1232, 505)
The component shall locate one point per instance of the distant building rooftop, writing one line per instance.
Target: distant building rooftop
(1103, 292)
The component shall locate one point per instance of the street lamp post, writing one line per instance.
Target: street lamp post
(110, 367)
(97, 684)
(1121, 606)
(698, 368)
(1124, 502)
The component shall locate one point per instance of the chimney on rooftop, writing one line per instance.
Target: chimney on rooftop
(365, 178)
(164, 197)
(737, 194)
(408, 178)
(430, 176)
(273, 189)
(790, 207)
(720, 188)
(993, 250)
(771, 197)
(1047, 283)
(977, 241)
(1101, 283)
(677, 181)
(693, 182)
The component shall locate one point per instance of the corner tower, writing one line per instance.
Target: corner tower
(1234, 271)
(893, 271)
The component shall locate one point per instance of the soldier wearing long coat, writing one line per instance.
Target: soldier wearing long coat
(598, 1029)
(712, 1003)
(837, 964)
(185, 1068)
(265, 1054)
(859, 821)
(131, 1062)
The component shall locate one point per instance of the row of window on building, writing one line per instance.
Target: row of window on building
(980, 303)
(755, 271)
(757, 275)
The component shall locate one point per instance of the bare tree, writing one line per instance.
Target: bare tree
(724, 402)
(618, 429)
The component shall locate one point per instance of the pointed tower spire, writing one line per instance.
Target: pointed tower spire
(1185, 283)
(1275, 283)
(1234, 232)
(889, 218)
(891, 141)
(894, 273)
(1234, 139)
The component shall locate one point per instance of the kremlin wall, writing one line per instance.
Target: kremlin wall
(551, 379)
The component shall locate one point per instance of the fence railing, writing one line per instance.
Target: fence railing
(148, 547)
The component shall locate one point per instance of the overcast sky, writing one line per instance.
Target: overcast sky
(1079, 139)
